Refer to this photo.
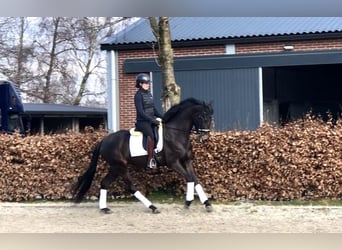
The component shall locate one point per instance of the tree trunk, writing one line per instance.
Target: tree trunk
(171, 91)
(20, 51)
(47, 94)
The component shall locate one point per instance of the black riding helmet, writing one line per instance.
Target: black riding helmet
(142, 77)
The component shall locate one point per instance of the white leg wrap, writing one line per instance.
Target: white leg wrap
(103, 199)
(190, 191)
(143, 199)
(202, 196)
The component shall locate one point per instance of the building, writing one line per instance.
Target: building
(255, 69)
(43, 118)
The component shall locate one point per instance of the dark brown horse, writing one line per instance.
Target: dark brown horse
(179, 121)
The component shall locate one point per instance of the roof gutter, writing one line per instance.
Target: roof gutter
(228, 40)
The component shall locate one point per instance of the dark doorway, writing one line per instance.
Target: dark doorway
(291, 92)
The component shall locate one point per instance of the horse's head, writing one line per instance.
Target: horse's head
(202, 120)
(190, 114)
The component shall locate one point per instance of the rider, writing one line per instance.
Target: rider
(146, 115)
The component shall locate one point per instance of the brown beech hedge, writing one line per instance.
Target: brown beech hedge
(301, 160)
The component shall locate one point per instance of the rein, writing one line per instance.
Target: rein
(178, 129)
(202, 115)
(200, 132)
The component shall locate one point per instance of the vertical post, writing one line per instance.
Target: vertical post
(42, 126)
(112, 91)
(75, 124)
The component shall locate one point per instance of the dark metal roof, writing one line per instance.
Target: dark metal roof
(62, 109)
(208, 28)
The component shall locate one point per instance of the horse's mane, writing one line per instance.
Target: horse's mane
(179, 107)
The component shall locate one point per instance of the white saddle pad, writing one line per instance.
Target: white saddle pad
(136, 142)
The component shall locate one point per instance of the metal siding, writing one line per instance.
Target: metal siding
(198, 28)
(235, 93)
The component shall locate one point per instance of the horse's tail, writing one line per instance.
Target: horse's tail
(84, 181)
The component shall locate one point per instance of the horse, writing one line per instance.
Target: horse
(190, 115)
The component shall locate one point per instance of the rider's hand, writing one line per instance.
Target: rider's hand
(155, 122)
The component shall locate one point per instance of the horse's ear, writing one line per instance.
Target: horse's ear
(210, 106)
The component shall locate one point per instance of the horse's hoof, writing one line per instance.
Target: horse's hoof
(187, 204)
(106, 210)
(155, 211)
(209, 208)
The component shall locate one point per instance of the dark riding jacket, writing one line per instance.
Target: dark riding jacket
(144, 106)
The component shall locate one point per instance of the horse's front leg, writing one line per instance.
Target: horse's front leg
(201, 194)
(203, 197)
(190, 190)
(190, 181)
(195, 185)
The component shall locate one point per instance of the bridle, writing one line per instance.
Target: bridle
(201, 132)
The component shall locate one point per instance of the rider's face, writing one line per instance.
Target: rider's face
(145, 85)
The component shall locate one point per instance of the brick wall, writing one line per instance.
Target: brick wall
(127, 81)
(308, 45)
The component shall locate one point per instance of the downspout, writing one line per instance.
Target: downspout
(261, 99)
(113, 91)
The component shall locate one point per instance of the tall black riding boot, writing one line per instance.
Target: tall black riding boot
(151, 162)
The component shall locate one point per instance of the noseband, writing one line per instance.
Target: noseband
(201, 132)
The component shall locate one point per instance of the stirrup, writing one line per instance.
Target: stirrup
(152, 163)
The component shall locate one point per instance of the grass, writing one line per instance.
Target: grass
(169, 198)
(164, 197)
(321, 202)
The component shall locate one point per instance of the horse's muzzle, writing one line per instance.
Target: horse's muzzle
(203, 135)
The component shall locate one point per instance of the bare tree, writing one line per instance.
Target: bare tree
(52, 54)
(86, 50)
(171, 91)
(50, 38)
(56, 59)
(16, 51)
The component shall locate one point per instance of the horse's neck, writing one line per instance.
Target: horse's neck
(182, 125)
(178, 126)
(176, 135)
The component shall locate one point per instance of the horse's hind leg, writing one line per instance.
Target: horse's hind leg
(105, 183)
(137, 194)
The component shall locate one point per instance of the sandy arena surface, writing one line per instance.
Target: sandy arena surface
(133, 217)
